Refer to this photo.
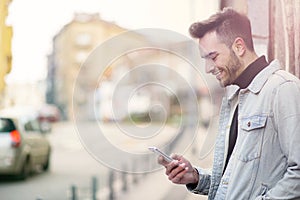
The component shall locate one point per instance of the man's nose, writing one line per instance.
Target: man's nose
(209, 66)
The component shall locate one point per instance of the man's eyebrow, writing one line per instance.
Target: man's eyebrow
(209, 55)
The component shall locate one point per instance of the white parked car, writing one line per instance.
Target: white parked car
(23, 146)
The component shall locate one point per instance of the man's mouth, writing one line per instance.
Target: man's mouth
(218, 74)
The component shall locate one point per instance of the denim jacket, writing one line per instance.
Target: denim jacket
(265, 163)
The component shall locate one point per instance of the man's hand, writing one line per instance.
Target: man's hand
(180, 170)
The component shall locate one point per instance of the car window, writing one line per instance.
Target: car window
(32, 125)
(6, 125)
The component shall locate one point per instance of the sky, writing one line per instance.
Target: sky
(36, 22)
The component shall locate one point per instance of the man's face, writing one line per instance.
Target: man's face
(220, 60)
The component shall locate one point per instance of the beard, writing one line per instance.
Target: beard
(233, 68)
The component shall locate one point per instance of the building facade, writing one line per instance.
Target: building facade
(71, 46)
(5, 46)
(131, 83)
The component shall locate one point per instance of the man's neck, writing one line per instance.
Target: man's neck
(246, 77)
(249, 58)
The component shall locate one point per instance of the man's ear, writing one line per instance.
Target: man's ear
(239, 46)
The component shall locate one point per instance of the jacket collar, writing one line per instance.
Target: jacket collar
(257, 83)
(231, 91)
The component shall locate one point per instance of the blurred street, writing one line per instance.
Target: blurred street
(71, 165)
(124, 64)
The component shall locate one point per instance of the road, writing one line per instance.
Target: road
(71, 164)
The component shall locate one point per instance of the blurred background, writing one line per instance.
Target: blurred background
(44, 49)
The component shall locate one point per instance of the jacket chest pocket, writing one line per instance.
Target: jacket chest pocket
(250, 137)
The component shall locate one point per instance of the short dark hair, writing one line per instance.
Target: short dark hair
(228, 24)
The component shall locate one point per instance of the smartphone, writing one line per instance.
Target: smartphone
(159, 152)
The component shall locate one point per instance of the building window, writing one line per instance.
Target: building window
(81, 56)
(83, 39)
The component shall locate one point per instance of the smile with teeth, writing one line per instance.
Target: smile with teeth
(218, 73)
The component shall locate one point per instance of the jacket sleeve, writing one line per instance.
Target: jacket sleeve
(202, 187)
(286, 108)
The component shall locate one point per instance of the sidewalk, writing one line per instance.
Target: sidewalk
(152, 186)
(156, 186)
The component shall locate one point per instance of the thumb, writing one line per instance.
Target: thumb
(162, 161)
(176, 156)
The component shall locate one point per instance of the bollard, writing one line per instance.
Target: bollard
(111, 180)
(134, 177)
(73, 192)
(124, 180)
(94, 187)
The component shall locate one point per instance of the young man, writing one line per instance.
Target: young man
(257, 151)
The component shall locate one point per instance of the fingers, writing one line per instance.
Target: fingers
(162, 161)
(180, 170)
(176, 157)
(171, 166)
(177, 174)
(177, 162)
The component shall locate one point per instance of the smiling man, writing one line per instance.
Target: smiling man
(257, 149)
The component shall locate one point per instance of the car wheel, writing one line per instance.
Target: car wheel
(26, 169)
(47, 163)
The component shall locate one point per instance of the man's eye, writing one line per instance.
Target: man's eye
(214, 58)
